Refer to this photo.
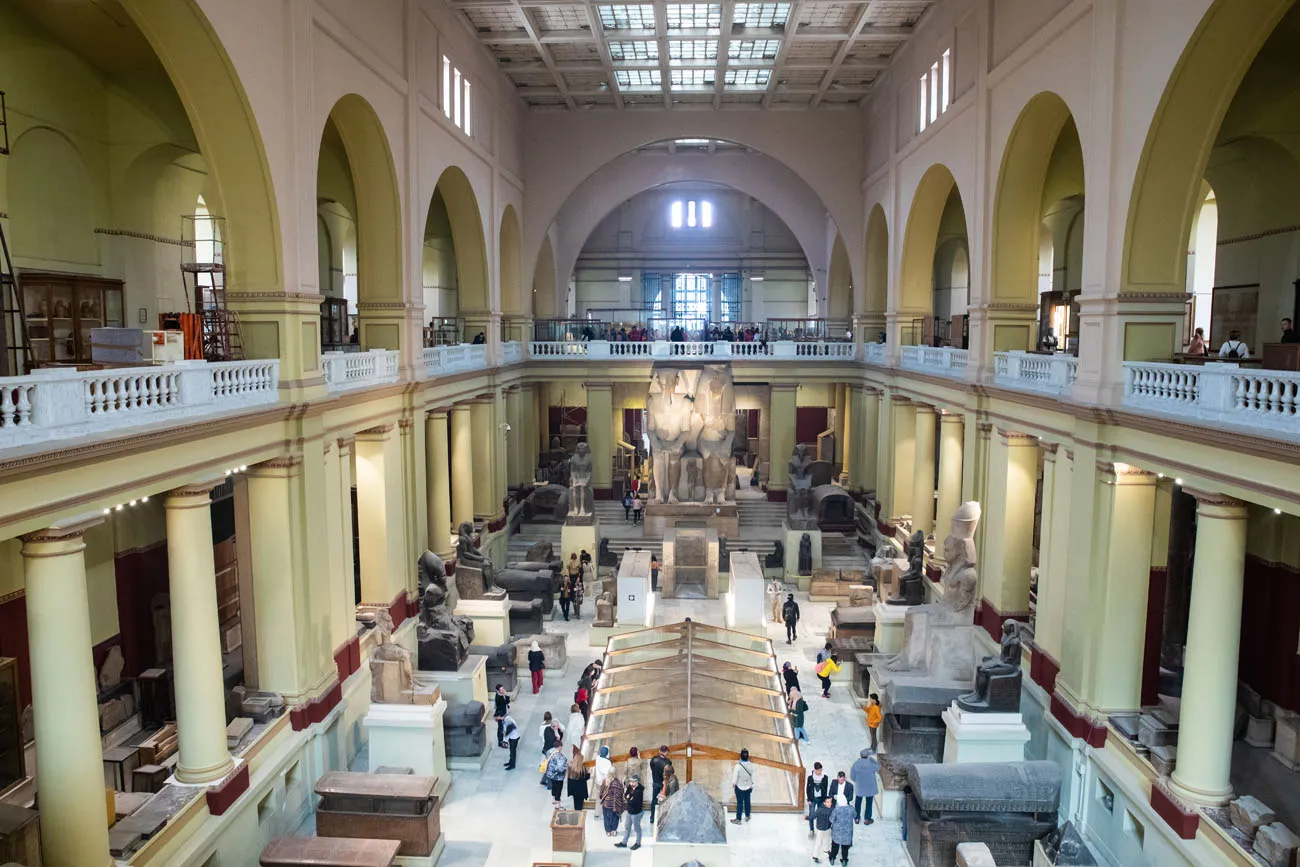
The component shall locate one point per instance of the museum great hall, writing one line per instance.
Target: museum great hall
(331, 329)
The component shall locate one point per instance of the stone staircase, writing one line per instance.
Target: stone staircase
(528, 535)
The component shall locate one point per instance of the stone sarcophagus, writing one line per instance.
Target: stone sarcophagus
(1007, 805)
(380, 807)
(501, 669)
(525, 618)
(525, 585)
(464, 729)
(569, 831)
(551, 644)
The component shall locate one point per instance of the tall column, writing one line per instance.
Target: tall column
(338, 511)
(462, 465)
(923, 471)
(782, 408)
(1009, 529)
(74, 829)
(1053, 542)
(196, 638)
(841, 428)
(1213, 645)
(380, 516)
(515, 438)
(600, 436)
(952, 446)
(439, 481)
(865, 406)
(484, 439)
(903, 414)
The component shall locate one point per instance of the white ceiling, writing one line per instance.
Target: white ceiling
(571, 55)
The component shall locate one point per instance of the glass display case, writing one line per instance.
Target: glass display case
(62, 309)
(707, 692)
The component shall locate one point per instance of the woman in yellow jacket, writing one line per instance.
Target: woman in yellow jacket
(827, 667)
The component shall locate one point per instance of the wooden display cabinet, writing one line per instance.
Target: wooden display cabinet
(334, 332)
(61, 310)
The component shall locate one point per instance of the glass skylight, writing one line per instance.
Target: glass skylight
(693, 49)
(687, 79)
(637, 79)
(754, 49)
(640, 49)
(762, 14)
(694, 15)
(627, 17)
(743, 78)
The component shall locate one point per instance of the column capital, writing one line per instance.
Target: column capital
(378, 432)
(485, 397)
(783, 386)
(405, 424)
(1049, 450)
(951, 416)
(900, 399)
(985, 429)
(438, 412)
(1118, 473)
(201, 488)
(872, 390)
(1214, 504)
(345, 443)
(459, 407)
(281, 467)
(925, 408)
(69, 531)
(1017, 439)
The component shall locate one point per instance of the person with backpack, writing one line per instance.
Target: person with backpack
(627, 507)
(657, 765)
(790, 614)
(1233, 347)
(798, 707)
(742, 781)
(827, 667)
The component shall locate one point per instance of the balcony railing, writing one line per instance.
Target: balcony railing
(59, 403)
(442, 360)
(1051, 374)
(604, 349)
(873, 353)
(348, 370)
(941, 360)
(511, 352)
(1220, 393)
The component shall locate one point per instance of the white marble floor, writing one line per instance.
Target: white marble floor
(499, 818)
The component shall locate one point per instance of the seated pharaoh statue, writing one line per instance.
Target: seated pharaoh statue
(936, 637)
(911, 587)
(997, 680)
(475, 577)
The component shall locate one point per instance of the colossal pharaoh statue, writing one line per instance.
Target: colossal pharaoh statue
(691, 425)
(580, 481)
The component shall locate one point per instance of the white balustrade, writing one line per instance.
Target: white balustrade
(942, 360)
(349, 370)
(511, 352)
(624, 349)
(457, 357)
(873, 353)
(1052, 374)
(60, 403)
(1219, 393)
(749, 349)
(556, 348)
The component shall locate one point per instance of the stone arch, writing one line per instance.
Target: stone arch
(876, 294)
(51, 200)
(546, 303)
(464, 216)
(839, 283)
(920, 239)
(1166, 189)
(509, 277)
(369, 165)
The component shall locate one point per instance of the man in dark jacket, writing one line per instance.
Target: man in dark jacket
(841, 785)
(635, 797)
(501, 702)
(816, 789)
(657, 765)
(822, 837)
(790, 614)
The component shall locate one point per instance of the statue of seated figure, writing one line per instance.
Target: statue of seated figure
(604, 609)
(997, 680)
(911, 587)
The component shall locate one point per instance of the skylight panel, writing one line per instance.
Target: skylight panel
(762, 14)
(747, 78)
(754, 49)
(687, 79)
(695, 15)
(693, 49)
(639, 16)
(637, 79)
(640, 49)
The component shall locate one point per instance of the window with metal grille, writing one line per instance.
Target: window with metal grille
(741, 78)
(761, 14)
(685, 79)
(693, 49)
(730, 297)
(640, 16)
(652, 290)
(692, 294)
(694, 15)
(637, 79)
(754, 49)
(640, 49)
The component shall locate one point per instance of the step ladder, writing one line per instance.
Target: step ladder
(15, 343)
(204, 273)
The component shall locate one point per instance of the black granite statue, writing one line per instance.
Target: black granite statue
(522, 585)
(525, 618)
(604, 556)
(475, 576)
(464, 730)
(997, 680)
(911, 587)
(775, 560)
(429, 568)
(805, 554)
(442, 638)
(501, 667)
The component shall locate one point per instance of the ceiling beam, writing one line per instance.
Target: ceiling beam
(791, 30)
(661, 37)
(533, 30)
(724, 48)
(593, 20)
(834, 33)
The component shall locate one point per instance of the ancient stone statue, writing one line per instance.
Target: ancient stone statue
(799, 499)
(997, 680)
(390, 666)
(443, 639)
(805, 555)
(924, 649)
(775, 560)
(911, 587)
(604, 609)
(604, 556)
(580, 467)
(475, 577)
(669, 417)
(716, 404)
(430, 567)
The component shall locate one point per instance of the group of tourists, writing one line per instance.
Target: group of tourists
(572, 583)
(633, 507)
(836, 805)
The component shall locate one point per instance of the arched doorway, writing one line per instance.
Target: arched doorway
(839, 288)
(876, 296)
(513, 308)
(546, 304)
(1037, 243)
(456, 293)
(936, 216)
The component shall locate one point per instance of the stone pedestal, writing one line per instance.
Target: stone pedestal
(410, 736)
(578, 537)
(465, 684)
(889, 626)
(983, 737)
(747, 594)
(690, 564)
(790, 539)
(635, 604)
(491, 619)
(676, 854)
(659, 518)
(1286, 742)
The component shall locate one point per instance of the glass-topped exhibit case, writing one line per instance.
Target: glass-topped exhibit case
(707, 692)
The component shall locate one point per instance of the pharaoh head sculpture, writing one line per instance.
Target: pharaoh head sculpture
(960, 543)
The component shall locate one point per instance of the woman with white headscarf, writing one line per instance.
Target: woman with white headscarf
(536, 663)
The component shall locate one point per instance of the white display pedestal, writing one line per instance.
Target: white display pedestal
(424, 860)
(983, 737)
(491, 619)
(676, 854)
(575, 859)
(791, 538)
(747, 597)
(410, 736)
(466, 684)
(889, 626)
(576, 538)
(635, 605)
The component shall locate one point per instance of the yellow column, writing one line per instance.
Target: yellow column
(1213, 645)
(923, 471)
(865, 412)
(74, 828)
(486, 504)
(782, 406)
(500, 463)
(415, 498)
(1053, 549)
(462, 465)
(1009, 531)
(903, 414)
(843, 430)
(380, 516)
(439, 482)
(196, 639)
(952, 446)
(348, 592)
(600, 435)
(528, 437)
(515, 453)
(338, 524)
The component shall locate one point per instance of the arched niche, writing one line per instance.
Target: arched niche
(876, 294)
(51, 202)
(931, 211)
(839, 285)
(454, 195)
(512, 294)
(546, 303)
